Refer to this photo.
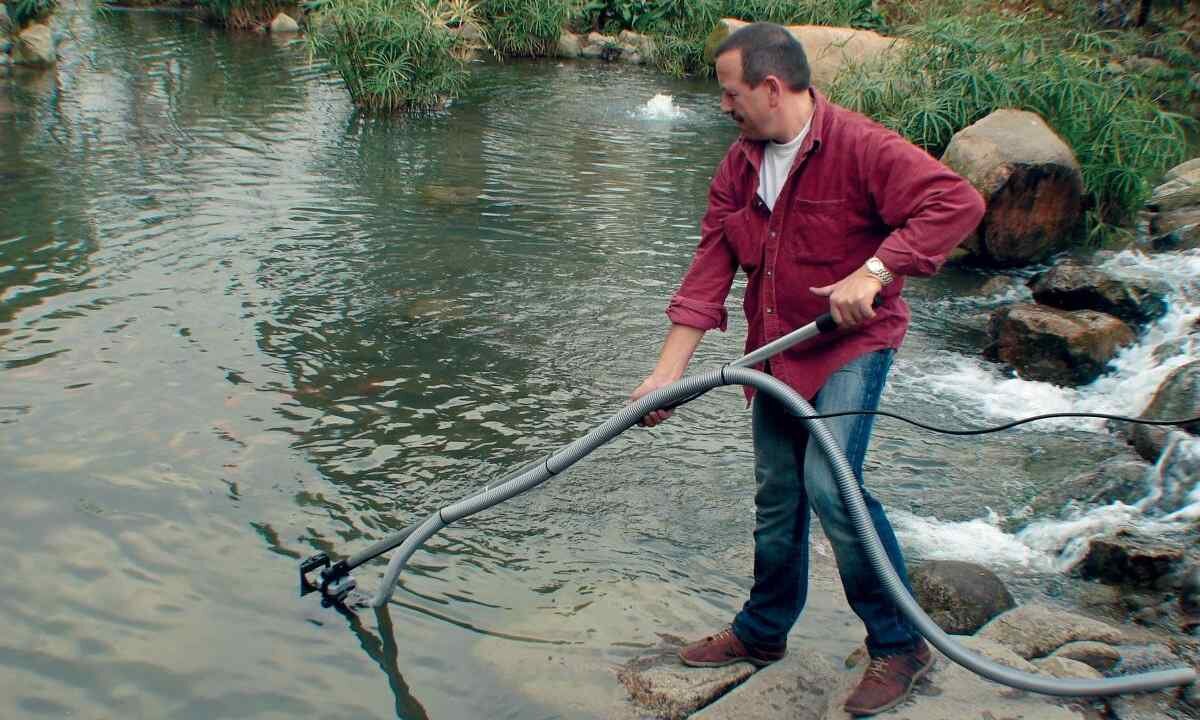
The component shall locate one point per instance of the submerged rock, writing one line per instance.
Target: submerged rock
(35, 46)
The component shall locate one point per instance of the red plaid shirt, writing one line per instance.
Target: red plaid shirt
(856, 189)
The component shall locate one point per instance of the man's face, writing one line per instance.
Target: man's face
(751, 108)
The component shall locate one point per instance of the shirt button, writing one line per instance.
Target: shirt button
(768, 273)
(770, 311)
(772, 233)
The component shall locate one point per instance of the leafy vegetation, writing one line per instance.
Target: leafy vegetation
(23, 12)
(958, 70)
(524, 28)
(242, 14)
(394, 55)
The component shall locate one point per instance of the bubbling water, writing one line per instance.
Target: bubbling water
(661, 107)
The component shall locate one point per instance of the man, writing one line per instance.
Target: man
(824, 210)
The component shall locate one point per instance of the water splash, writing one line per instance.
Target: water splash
(1137, 371)
(1171, 504)
(661, 107)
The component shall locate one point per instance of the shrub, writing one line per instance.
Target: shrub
(959, 70)
(394, 55)
(23, 12)
(242, 14)
(524, 28)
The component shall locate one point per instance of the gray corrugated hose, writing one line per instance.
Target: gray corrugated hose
(851, 495)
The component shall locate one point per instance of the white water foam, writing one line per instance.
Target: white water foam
(661, 107)
(1137, 371)
(1173, 498)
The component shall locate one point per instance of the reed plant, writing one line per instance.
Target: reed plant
(525, 28)
(394, 55)
(958, 70)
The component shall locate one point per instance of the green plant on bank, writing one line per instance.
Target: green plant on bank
(394, 55)
(680, 34)
(242, 14)
(23, 12)
(524, 28)
(958, 70)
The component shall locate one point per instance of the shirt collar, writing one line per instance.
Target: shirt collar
(753, 149)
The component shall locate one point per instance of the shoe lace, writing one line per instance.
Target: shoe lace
(877, 669)
(720, 636)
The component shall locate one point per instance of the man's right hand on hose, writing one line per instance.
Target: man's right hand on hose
(672, 362)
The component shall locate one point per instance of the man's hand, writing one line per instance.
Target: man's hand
(648, 386)
(850, 298)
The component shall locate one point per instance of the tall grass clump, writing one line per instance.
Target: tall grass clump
(394, 55)
(23, 12)
(525, 28)
(681, 33)
(958, 70)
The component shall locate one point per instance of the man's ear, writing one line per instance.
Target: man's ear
(774, 89)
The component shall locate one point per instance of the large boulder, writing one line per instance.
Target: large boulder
(1031, 181)
(1074, 286)
(1057, 346)
(960, 597)
(829, 49)
(6, 23)
(1124, 558)
(35, 46)
(1177, 397)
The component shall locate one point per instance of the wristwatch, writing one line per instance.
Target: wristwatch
(876, 267)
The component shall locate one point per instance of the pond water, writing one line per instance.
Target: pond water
(239, 324)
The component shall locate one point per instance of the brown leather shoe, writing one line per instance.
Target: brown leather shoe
(888, 680)
(725, 648)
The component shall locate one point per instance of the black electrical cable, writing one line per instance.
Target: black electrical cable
(1006, 426)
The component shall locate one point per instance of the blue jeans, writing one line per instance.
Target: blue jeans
(782, 447)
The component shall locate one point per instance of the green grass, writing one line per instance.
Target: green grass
(958, 70)
(394, 55)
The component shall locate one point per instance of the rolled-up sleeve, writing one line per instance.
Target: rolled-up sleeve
(700, 301)
(930, 208)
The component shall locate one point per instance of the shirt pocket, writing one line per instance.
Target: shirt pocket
(746, 242)
(821, 230)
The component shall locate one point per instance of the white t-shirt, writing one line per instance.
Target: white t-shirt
(777, 160)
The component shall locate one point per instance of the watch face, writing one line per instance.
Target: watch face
(874, 265)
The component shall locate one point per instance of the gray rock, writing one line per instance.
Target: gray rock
(960, 597)
(1072, 286)
(283, 23)
(568, 45)
(6, 23)
(1117, 479)
(1031, 181)
(1036, 630)
(1100, 656)
(1181, 192)
(797, 688)
(35, 46)
(1183, 168)
(1061, 667)
(1124, 558)
(1058, 346)
(1177, 397)
(661, 685)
